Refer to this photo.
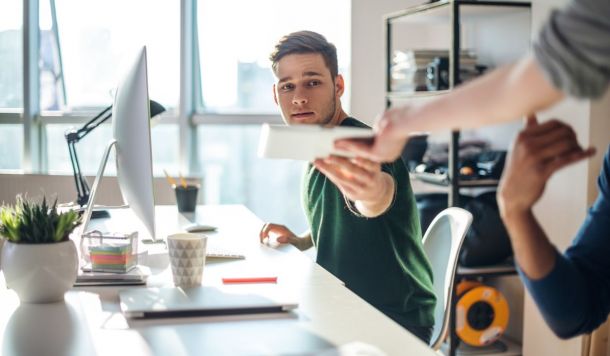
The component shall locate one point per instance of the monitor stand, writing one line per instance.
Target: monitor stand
(100, 173)
(89, 212)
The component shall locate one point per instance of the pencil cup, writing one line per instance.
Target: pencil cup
(187, 258)
(186, 197)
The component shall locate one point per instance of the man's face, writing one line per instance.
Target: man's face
(305, 90)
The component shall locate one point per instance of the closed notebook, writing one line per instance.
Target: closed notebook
(203, 301)
(135, 276)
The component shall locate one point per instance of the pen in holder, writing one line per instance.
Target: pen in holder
(109, 252)
(186, 194)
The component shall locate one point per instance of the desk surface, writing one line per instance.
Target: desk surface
(89, 322)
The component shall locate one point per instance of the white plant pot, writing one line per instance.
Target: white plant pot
(40, 273)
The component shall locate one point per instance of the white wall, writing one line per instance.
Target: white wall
(368, 55)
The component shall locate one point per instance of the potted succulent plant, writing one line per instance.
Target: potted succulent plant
(39, 260)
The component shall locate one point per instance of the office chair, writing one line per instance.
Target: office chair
(442, 243)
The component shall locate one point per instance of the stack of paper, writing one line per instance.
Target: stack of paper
(136, 276)
(112, 258)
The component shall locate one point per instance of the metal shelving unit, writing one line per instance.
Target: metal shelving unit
(503, 269)
(453, 12)
(443, 180)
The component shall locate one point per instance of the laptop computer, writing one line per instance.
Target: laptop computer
(204, 301)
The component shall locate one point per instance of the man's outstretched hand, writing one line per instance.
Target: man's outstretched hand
(389, 140)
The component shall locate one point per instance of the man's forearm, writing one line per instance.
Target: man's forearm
(378, 206)
(505, 94)
(534, 253)
(304, 242)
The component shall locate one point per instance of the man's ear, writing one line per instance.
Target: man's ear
(339, 85)
(275, 95)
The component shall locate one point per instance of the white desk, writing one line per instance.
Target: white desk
(89, 322)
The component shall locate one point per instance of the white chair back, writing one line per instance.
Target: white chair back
(442, 242)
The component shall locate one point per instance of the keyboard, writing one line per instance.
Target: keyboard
(225, 254)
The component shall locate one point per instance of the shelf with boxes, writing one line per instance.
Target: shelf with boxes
(434, 47)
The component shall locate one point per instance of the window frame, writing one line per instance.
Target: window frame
(11, 116)
(186, 115)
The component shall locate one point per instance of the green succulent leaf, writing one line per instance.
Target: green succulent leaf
(36, 222)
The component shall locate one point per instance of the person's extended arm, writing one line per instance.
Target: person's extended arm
(361, 181)
(574, 296)
(534, 252)
(538, 152)
(505, 94)
(585, 268)
(282, 235)
(572, 56)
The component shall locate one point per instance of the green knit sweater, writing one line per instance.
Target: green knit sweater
(381, 259)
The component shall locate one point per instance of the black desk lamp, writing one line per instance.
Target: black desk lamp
(73, 136)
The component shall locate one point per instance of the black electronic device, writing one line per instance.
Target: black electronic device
(437, 74)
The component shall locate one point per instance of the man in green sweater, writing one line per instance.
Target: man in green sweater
(362, 215)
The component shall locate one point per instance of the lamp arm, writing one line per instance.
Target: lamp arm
(154, 109)
(73, 136)
(93, 123)
(82, 188)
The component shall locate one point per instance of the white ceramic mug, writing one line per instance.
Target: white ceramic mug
(187, 258)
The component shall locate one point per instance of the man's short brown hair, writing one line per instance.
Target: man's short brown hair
(304, 42)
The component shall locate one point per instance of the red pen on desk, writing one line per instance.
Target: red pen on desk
(250, 280)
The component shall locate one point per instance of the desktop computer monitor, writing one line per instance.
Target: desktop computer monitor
(131, 130)
(132, 143)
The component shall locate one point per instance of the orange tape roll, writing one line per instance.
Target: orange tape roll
(481, 314)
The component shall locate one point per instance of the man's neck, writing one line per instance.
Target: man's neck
(338, 119)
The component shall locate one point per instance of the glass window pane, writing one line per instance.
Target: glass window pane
(91, 149)
(165, 148)
(11, 48)
(93, 49)
(233, 174)
(11, 146)
(235, 68)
